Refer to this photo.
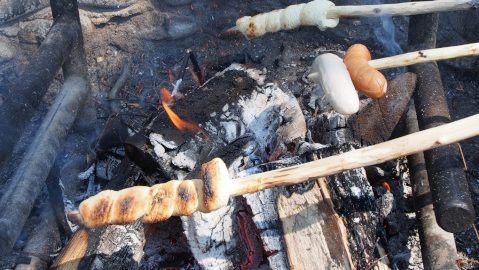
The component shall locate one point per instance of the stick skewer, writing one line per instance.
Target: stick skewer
(176, 198)
(324, 14)
(364, 74)
(423, 56)
(400, 9)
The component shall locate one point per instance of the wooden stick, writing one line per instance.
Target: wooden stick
(400, 9)
(178, 198)
(417, 57)
(403, 146)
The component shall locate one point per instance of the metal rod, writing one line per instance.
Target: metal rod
(449, 188)
(30, 176)
(438, 247)
(24, 95)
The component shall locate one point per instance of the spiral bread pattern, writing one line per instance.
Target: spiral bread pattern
(159, 202)
(313, 13)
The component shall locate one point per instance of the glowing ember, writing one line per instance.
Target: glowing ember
(183, 125)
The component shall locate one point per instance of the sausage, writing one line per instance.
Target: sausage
(366, 79)
(334, 79)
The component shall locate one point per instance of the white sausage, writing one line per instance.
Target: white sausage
(329, 71)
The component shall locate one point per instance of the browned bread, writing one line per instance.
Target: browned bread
(159, 202)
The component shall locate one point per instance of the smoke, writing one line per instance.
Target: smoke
(386, 34)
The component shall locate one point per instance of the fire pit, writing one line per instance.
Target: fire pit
(278, 161)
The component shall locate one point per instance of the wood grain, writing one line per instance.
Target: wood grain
(74, 252)
(315, 235)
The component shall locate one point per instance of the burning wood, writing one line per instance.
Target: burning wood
(177, 198)
(183, 125)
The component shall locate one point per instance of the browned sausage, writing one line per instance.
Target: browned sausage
(366, 79)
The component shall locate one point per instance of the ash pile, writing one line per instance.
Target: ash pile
(168, 94)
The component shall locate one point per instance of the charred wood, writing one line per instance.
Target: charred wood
(32, 172)
(23, 96)
(438, 247)
(449, 187)
(44, 240)
(377, 120)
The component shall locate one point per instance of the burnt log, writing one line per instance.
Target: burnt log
(24, 95)
(44, 240)
(32, 172)
(438, 247)
(376, 121)
(449, 187)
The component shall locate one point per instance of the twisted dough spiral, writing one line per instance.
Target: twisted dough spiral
(159, 202)
(312, 13)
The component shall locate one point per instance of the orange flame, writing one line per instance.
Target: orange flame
(183, 125)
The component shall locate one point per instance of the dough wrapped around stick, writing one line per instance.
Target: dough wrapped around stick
(159, 202)
(313, 13)
(329, 71)
(324, 14)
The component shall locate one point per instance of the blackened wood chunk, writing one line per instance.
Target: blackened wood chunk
(354, 200)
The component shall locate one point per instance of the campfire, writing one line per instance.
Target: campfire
(211, 135)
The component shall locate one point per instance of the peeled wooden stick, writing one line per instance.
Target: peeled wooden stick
(324, 14)
(175, 198)
(437, 54)
(401, 9)
(372, 83)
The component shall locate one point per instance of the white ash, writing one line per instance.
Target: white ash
(258, 75)
(306, 147)
(211, 237)
(185, 160)
(120, 244)
(356, 191)
(159, 149)
(158, 138)
(69, 207)
(86, 174)
(385, 204)
(266, 219)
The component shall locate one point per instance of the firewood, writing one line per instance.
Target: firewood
(315, 235)
(74, 252)
(176, 198)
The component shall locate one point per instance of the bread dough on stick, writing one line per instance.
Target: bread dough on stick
(313, 13)
(159, 202)
(329, 71)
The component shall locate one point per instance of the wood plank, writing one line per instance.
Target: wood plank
(74, 252)
(315, 235)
